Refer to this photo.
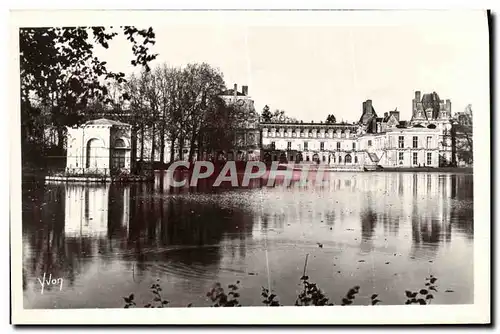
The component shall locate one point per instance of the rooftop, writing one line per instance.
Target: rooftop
(105, 121)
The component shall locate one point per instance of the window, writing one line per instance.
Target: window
(353, 146)
(118, 143)
(119, 159)
(415, 158)
(415, 141)
(306, 146)
(307, 158)
(324, 158)
(322, 146)
(369, 143)
(400, 156)
(401, 142)
(340, 159)
(355, 160)
(273, 145)
(429, 139)
(338, 145)
(289, 145)
(429, 158)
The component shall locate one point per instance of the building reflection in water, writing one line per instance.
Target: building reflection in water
(86, 210)
(195, 233)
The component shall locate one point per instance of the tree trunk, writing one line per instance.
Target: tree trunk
(192, 147)
(172, 149)
(133, 148)
(199, 147)
(162, 141)
(142, 142)
(181, 147)
(60, 139)
(153, 142)
(453, 146)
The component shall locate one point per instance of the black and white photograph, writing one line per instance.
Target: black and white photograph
(193, 160)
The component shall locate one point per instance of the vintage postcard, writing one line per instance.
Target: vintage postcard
(235, 167)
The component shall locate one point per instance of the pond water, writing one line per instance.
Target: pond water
(385, 232)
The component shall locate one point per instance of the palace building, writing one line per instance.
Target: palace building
(373, 141)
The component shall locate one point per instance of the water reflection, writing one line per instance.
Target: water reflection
(199, 235)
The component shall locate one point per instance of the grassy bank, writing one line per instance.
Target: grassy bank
(310, 295)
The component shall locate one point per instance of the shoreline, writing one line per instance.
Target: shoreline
(461, 170)
(42, 175)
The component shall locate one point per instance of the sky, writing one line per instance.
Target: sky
(314, 65)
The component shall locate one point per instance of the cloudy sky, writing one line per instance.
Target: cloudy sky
(311, 64)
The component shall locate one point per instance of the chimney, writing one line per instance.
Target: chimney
(244, 90)
(448, 106)
(369, 107)
(235, 92)
(417, 95)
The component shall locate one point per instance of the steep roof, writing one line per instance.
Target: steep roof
(367, 115)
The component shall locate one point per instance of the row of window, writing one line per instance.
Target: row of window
(401, 142)
(321, 145)
(415, 158)
(315, 158)
(305, 134)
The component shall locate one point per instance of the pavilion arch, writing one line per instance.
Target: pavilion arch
(94, 148)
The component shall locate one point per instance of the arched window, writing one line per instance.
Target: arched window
(120, 143)
(348, 159)
(94, 147)
(340, 159)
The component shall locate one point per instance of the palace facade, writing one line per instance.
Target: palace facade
(373, 141)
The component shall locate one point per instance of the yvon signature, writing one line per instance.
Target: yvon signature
(50, 281)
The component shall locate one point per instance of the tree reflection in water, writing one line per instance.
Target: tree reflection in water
(198, 232)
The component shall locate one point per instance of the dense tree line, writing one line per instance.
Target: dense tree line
(64, 84)
(181, 106)
(61, 78)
